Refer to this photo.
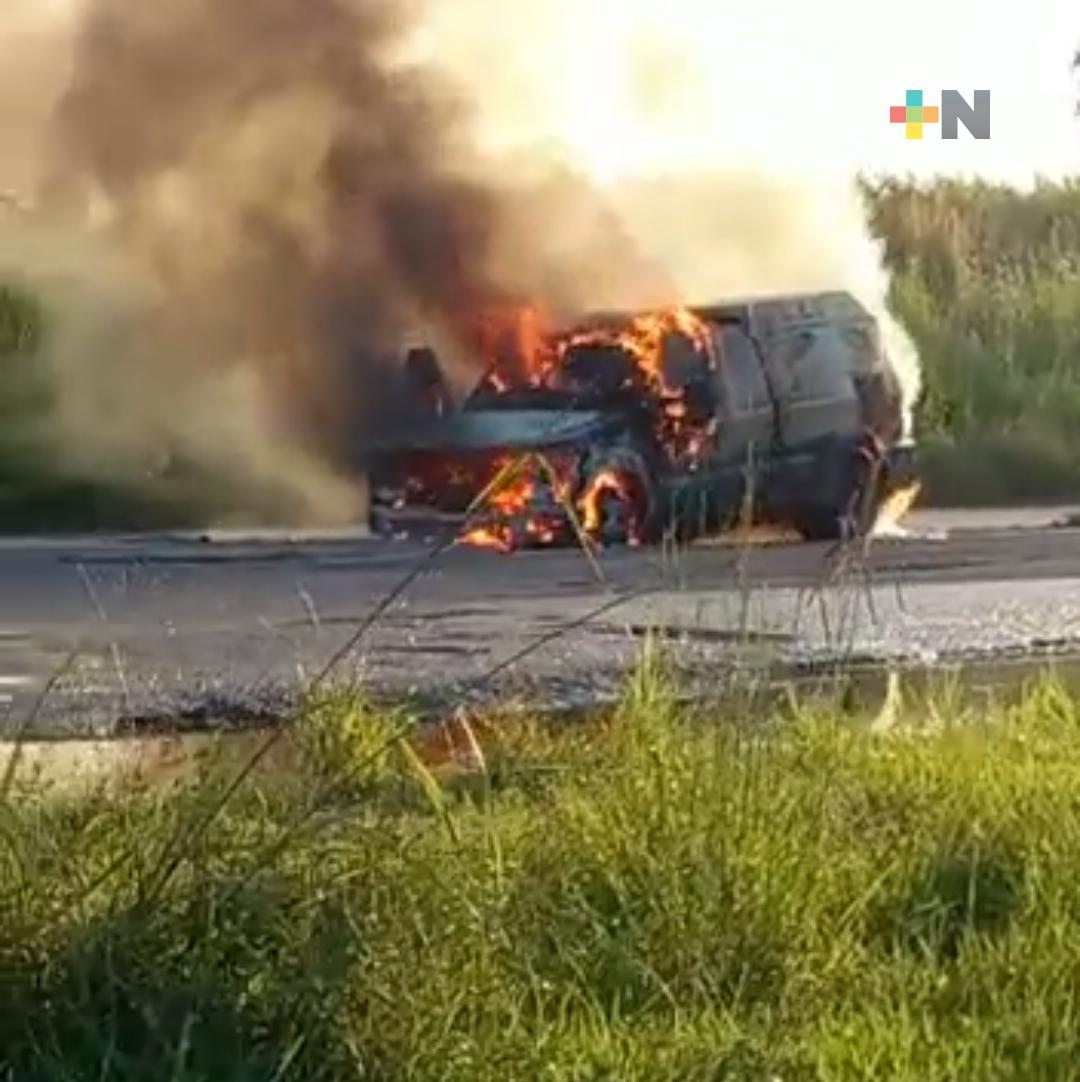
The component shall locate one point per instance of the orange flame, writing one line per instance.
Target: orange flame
(522, 351)
(521, 345)
(644, 340)
(617, 483)
(489, 537)
(518, 513)
(894, 509)
(518, 344)
(515, 498)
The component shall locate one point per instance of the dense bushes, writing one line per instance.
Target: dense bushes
(987, 280)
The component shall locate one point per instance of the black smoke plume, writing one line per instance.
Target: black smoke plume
(284, 200)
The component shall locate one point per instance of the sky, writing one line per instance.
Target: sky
(790, 87)
(783, 86)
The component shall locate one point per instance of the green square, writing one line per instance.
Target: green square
(914, 114)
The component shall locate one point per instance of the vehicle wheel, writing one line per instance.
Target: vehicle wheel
(852, 516)
(616, 507)
(619, 511)
(822, 524)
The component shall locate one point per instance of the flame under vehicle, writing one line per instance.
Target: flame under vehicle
(631, 427)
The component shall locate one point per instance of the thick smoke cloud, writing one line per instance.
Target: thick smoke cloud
(293, 194)
(275, 199)
(242, 209)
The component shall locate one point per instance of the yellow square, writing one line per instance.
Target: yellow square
(914, 130)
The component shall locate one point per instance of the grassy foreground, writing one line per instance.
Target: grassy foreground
(656, 897)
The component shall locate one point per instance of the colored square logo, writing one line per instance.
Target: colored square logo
(914, 114)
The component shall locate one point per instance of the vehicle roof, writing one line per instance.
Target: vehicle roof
(834, 304)
(766, 311)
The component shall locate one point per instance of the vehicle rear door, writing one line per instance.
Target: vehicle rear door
(811, 371)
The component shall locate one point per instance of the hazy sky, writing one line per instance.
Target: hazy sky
(784, 85)
(788, 86)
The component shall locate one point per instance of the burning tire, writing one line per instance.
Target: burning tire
(617, 504)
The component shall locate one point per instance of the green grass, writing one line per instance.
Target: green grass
(657, 896)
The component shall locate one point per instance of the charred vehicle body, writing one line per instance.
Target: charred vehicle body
(630, 427)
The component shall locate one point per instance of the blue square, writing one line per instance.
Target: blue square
(914, 98)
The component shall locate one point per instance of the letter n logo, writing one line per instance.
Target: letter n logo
(976, 118)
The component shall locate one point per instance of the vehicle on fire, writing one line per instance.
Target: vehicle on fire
(630, 427)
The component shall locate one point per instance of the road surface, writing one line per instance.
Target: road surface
(129, 631)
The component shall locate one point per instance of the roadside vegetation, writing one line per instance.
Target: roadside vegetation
(41, 491)
(987, 281)
(36, 490)
(660, 895)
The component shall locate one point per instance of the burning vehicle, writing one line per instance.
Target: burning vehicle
(630, 427)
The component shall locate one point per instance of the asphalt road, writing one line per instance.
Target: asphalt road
(123, 631)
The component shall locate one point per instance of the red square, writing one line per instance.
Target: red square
(898, 114)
